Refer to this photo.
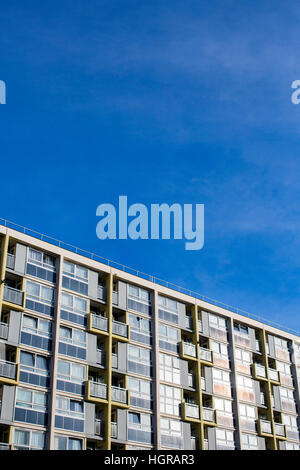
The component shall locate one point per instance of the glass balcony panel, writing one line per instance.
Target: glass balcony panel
(119, 394)
(3, 330)
(15, 296)
(120, 329)
(205, 354)
(209, 415)
(99, 322)
(8, 369)
(10, 261)
(98, 390)
(192, 410)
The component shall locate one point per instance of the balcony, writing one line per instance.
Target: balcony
(191, 410)
(119, 395)
(280, 430)
(265, 426)
(191, 380)
(203, 383)
(10, 261)
(259, 371)
(209, 415)
(205, 354)
(200, 327)
(98, 390)
(100, 357)
(99, 427)
(8, 369)
(12, 295)
(188, 322)
(114, 360)
(193, 443)
(188, 349)
(4, 446)
(274, 375)
(101, 293)
(114, 430)
(99, 323)
(3, 330)
(120, 329)
(257, 346)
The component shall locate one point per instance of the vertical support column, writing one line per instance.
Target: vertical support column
(198, 378)
(235, 403)
(53, 372)
(4, 248)
(294, 373)
(108, 353)
(270, 413)
(156, 376)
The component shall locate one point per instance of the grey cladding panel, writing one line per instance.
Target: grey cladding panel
(271, 345)
(205, 326)
(122, 357)
(93, 284)
(8, 400)
(15, 319)
(211, 437)
(122, 297)
(252, 338)
(89, 413)
(91, 348)
(187, 443)
(184, 373)
(122, 425)
(20, 258)
(181, 314)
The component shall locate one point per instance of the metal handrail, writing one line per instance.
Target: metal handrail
(134, 272)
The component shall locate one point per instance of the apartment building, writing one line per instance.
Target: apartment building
(93, 357)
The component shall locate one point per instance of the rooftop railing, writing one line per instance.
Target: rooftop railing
(140, 274)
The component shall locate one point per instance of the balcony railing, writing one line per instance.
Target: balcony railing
(280, 429)
(3, 330)
(265, 426)
(100, 357)
(101, 293)
(10, 261)
(120, 329)
(99, 427)
(188, 322)
(98, 390)
(114, 430)
(191, 380)
(274, 375)
(209, 415)
(15, 296)
(189, 349)
(8, 369)
(115, 298)
(99, 322)
(4, 446)
(193, 443)
(192, 410)
(119, 395)
(114, 360)
(260, 371)
(205, 354)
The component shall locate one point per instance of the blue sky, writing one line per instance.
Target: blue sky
(171, 101)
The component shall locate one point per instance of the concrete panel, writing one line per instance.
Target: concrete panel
(205, 326)
(181, 314)
(277, 401)
(211, 437)
(89, 418)
(187, 443)
(122, 295)
(252, 338)
(122, 425)
(261, 443)
(184, 373)
(271, 345)
(91, 348)
(122, 357)
(208, 379)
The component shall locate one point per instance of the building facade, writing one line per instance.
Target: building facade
(96, 358)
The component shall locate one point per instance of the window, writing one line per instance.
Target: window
(67, 443)
(171, 433)
(139, 360)
(68, 407)
(220, 349)
(245, 382)
(224, 438)
(247, 411)
(221, 376)
(216, 321)
(74, 303)
(140, 427)
(249, 442)
(31, 399)
(223, 405)
(140, 329)
(168, 309)
(139, 300)
(281, 343)
(75, 278)
(40, 258)
(73, 336)
(140, 392)
(169, 369)
(170, 400)
(27, 440)
(71, 377)
(168, 337)
(36, 325)
(284, 368)
(290, 421)
(243, 356)
(34, 363)
(240, 328)
(75, 271)
(39, 292)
